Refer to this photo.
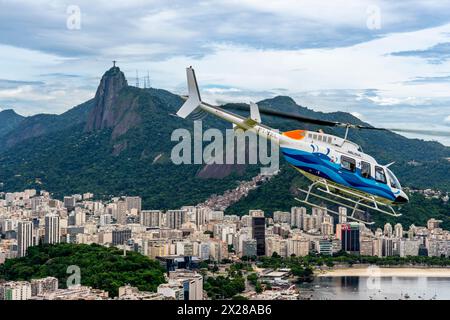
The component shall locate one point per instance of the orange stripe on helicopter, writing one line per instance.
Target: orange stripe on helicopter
(295, 134)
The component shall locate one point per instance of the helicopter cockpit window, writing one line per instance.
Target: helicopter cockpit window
(348, 163)
(393, 179)
(380, 175)
(365, 169)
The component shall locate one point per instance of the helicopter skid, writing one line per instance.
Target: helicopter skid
(375, 203)
(356, 198)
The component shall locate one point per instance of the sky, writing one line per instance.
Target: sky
(386, 62)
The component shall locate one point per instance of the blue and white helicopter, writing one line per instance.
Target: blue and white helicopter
(336, 166)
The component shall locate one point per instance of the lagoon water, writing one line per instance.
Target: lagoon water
(380, 288)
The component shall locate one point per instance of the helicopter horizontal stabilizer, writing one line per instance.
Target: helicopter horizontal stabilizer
(245, 125)
(194, 100)
(251, 121)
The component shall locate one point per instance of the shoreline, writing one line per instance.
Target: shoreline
(385, 272)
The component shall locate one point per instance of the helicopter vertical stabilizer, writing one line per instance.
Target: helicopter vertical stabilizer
(194, 100)
(254, 112)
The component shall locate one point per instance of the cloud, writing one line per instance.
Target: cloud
(447, 119)
(8, 84)
(184, 27)
(321, 54)
(422, 80)
(357, 115)
(436, 54)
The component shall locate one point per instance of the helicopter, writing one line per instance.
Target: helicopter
(339, 171)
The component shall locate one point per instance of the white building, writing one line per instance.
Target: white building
(151, 218)
(18, 290)
(24, 237)
(409, 247)
(52, 229)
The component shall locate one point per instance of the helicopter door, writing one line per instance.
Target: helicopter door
(380, 176)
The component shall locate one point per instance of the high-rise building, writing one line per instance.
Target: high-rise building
(366, 247)
(337, 245)
(185, 248)
(24, 237)
(80, 217)
(325, 247)
(342, 215)
(350, 237)
(256, 213)
(297, 216)
(105, 219)
(281, 217)
(388, 247)
(52, 230)
(438, 248)
(175, 218)
(276, 245)
(218, 250)
(151, 218)
(35, 203)
(120, 236)
(134, 203)
(433, 224)
(200, 216)
(69, 203)
(409, 247)
(42, 286)
(18, 290)
(377, 247)
(121, 212)
(259, 234)
(398, 230)
(204, 251)
(215, 215)
(387, 229)
(192, 283)
(326, 228)
(298, 246)
(308, 223)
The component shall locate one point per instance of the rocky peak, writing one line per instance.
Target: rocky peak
(9, 112)
(103, 115)
(277, 100)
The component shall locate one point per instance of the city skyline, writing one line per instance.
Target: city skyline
(192, 237)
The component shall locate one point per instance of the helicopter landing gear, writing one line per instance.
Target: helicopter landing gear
(357, 200)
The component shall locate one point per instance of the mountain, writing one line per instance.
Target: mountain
(42, 124)
(119, 143)
(107, 109)
(9, 120)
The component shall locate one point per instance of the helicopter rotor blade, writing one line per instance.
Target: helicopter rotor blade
(287, 115)
(297, 117)
(437, 133)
